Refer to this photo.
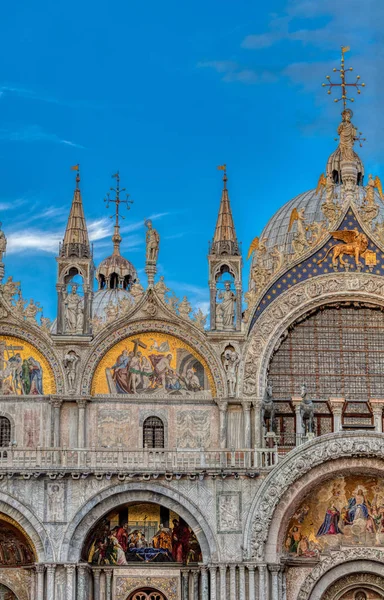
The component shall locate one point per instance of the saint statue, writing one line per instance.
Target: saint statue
(152, 240)
(73, 312)
(3, 243)
(31, 311)
(71, 363)
(10, 288)
(227, 306)
(347, 132)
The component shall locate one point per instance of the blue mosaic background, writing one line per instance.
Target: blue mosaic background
(309, 268)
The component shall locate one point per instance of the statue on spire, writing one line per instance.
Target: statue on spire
(347, 132)
(152, 240)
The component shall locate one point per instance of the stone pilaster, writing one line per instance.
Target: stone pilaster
(108, 584)
(96, 584)
(185, 584)
(258, 441)
(296, 401)
(56, 410)
(195, 578)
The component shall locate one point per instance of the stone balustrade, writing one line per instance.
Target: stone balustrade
(118, 460)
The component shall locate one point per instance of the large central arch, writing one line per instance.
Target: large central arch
(112, 497)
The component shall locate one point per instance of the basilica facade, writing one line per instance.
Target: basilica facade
(151, 452)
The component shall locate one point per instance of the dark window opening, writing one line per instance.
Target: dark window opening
(153, 433)
(5, 432)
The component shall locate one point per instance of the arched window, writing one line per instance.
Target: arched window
(5, 432)
(147, 594)
(153, 433)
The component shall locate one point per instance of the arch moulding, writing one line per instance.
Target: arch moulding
(187, 334)
(368, 562)
(272, 325)
(291, 479)
(112, 497)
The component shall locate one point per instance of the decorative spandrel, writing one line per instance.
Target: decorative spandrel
(153, 364)
(343, 511)
(24, 371)
(141, 533)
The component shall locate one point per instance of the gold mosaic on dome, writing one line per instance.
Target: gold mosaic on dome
(344, 511)
(24, 371)
(152, 364)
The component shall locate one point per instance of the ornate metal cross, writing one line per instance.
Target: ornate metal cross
(344, 84)
(117, 200)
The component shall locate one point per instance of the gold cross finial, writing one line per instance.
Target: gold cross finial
(344, 84)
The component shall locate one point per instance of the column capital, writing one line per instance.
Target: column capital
(377, 405)
(222, 404)
(50, 566)
(262, 567)
(55, 401)
(251, 568)
(223, 567)
(296, 401)
(195, 574)
(70, 566)
(337, 404)
(82, 402)
(40, 568)
(274, 568)
(246, 404)
(83, 567)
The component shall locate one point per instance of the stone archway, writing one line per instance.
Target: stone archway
(147, 594)
(356, 586)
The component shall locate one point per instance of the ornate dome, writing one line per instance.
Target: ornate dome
(109, 301)
(115, 271)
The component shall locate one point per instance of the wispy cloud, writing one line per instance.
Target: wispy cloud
(33, 239)
(9, 89)
(34, 133)
(234, 72)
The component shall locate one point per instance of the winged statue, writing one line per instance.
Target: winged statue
(355, 244)
(370, 190)
(321, 184)
(257, 244)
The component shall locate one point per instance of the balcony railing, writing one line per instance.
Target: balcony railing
(116, 460)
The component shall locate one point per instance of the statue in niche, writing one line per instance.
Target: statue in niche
(74, 316)
(347, 132)
(3, 243)
(231, 361)
(226, 307)
(268, 409)
(152, 239)
(31, 311)
(71, 362)
(307, 411)
(10, 288)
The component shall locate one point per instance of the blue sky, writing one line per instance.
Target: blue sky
(165, 92)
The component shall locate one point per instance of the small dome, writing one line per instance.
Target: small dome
(334, 167)
(110, 301)
(115, 272)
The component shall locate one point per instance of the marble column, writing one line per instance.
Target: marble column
(82, 582)
(56, 407)
(377, 409)
(195, 577)
(246, 404)
(223, 581)
(33, 584)
(251, 582)
(242, 582)
(96, 584)
(262, 582)
(223, 407)
(70, 583)
(51, 581)
(212, 580)
(81, 407)
(185, 584)
(232, 582)
(274, 570)
(108, 584)
(258, 441)
(204, 595)
(296, 401)
(337, 405)
(40, 581)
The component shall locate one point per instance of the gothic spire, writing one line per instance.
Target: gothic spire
(76, 242)
(225, 239)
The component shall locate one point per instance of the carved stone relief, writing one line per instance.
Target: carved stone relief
(229, 512)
